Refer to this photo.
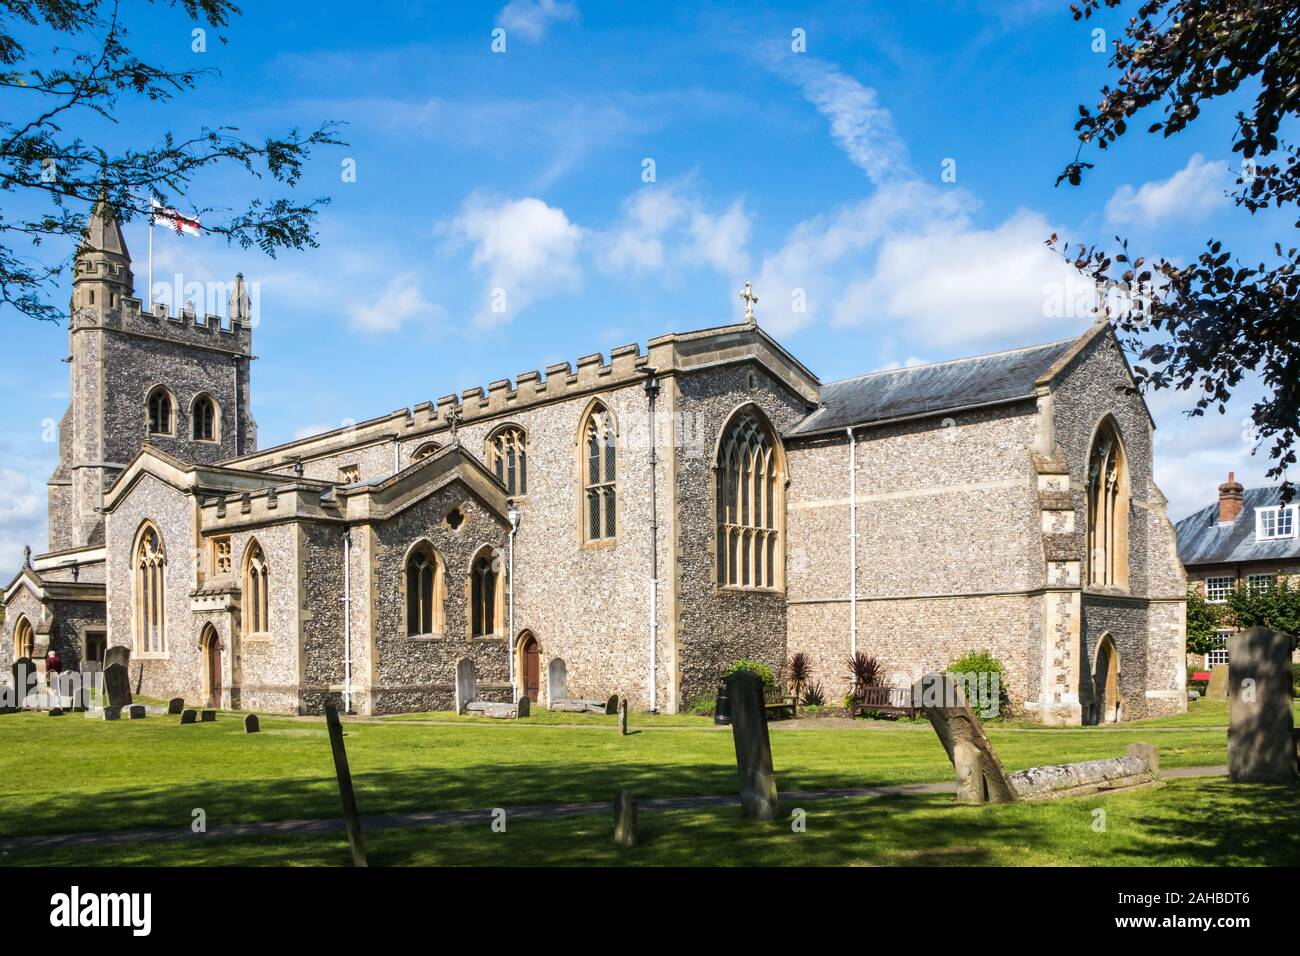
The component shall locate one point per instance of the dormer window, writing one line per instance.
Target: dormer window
(1274, 523)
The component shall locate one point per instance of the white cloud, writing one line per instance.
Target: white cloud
(1191, 193)
(665, 224)
(532, 18)
(23, 513)
(859, 124)
(401, 301)
(527, 249)
(957, 285)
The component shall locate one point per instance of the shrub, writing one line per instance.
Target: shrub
(701, 706)
(798, 671)
(864, 671)
(983, 663)
(813, 696)
(758, 667)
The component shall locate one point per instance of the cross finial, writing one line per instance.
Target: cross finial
(453, 418)
(751, 300)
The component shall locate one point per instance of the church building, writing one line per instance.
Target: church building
(635, 522)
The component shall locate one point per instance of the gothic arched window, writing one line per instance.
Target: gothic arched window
(750, 504)
(485, 594)
(424, 592)
(24, 639)
(204, 419)
(257, 590)
(599, 458)
(1108, 502)
(162, 412)
(150, 592)
(507, 455)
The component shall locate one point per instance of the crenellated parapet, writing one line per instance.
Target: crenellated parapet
(185, 328)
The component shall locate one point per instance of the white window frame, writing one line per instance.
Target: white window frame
(1218, 654)
(1259, 582)
(1209, 588)
(1279, 516)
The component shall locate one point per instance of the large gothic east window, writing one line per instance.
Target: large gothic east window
(150, 591)
(750, 491)
(1108, 504)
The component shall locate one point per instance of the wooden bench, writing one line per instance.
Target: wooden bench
(777, 702)
(884, 700)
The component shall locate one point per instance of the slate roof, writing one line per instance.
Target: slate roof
(931, 389)
(1202, 540)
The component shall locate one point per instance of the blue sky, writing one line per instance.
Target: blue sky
(816, 174)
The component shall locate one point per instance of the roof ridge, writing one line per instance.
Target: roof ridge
(964, 358)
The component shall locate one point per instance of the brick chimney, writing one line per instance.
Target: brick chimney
(1231, 498)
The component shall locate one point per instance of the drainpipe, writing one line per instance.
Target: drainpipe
(652, 392)
(397, 454)
(347, 621)
(853, 542)
(513, 514)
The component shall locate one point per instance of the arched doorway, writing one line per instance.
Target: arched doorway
(1105, 682)
(530, 667)
(210, 642)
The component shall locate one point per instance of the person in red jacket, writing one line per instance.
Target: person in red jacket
(53, 663)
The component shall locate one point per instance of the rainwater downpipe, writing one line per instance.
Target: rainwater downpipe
(853, 542)
(513, 514)
(347, 621)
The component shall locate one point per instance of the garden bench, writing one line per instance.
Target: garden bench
(884, 700)
(777, 702)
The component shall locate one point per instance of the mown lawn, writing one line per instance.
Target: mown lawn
(72, 774)
(1195, 822)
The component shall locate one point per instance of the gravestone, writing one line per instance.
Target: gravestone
(189, 716)
(1217, 688)
(117, 654)
(1260, 747)
(466, 684)
(208, 716)
(56, 711)
(622, 717)
(1139, 767)
(980, 775)
(117, 685)
(251, 724)
(112, 713)
(758, 797)
(624, 819)
(523, 707)
(175, 705)
(136, 711)
(24, 674)
(351, 816)
(611, 705)
(557, 681)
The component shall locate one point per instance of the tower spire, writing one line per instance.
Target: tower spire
(103, 259)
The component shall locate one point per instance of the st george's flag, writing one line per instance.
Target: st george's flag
(177, 222)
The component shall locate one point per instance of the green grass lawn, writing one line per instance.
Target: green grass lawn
(74, 774)
(1199, 822)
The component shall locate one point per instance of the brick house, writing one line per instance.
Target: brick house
(1249, 538)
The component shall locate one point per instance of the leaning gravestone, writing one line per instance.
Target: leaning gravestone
(1217, 688)
(557, 680)
(189, 716)
(980, 775)
(251, 725)
(175, 705)
(466, 684)
(625, 819)
(1260, 747)
(117, 685)
(753, 748)
(117, 654)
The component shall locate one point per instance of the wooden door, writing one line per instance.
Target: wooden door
(214, 670)
(532, 670)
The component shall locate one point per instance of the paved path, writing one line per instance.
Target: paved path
(550, 811)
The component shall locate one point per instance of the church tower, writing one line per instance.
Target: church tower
(177, 382)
